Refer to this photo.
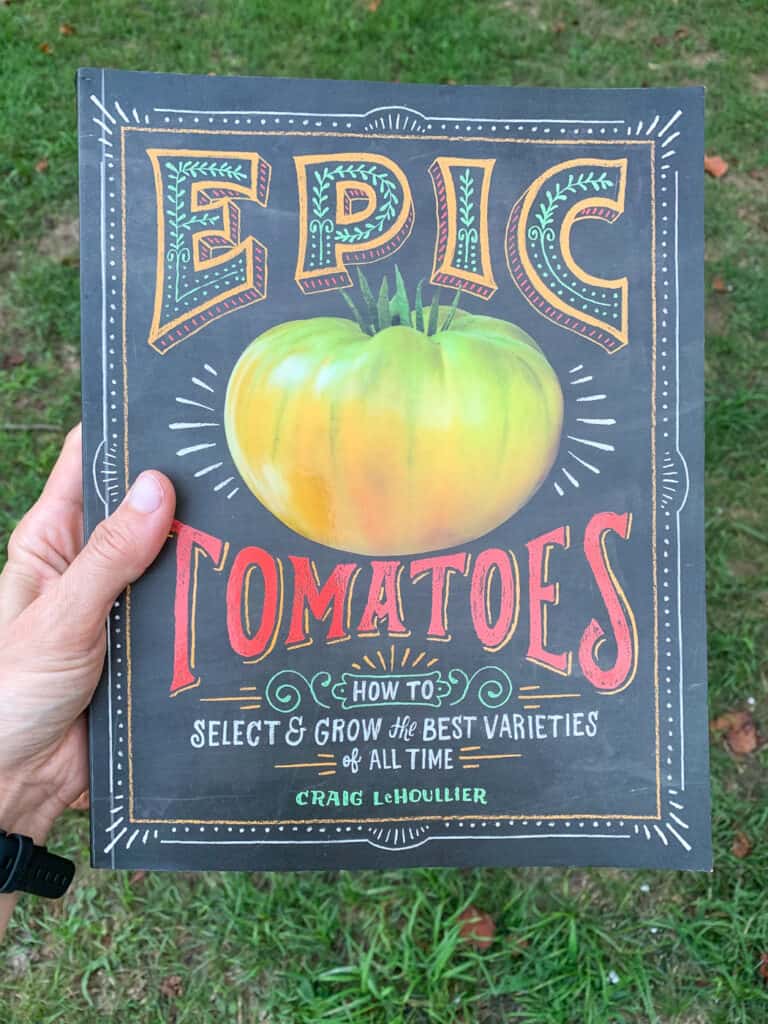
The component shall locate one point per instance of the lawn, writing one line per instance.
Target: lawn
(571, 947)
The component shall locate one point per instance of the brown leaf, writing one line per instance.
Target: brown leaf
(682, 33)
(137, 878)
(477, 928)
(65, 29)
(558, 27)
(42, 165)
(46, 48)
(373, 5)
(743, 740)
(171, 987)
(719, 285)
(762, 967)
(727, 720)
(741, 846)
(12, 358)
(740, 731)
(659, 41)
(715, 166)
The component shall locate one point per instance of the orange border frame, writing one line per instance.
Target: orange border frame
(421, 817)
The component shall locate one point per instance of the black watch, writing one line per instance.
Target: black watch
(25, 867)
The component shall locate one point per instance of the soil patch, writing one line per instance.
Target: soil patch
(62, 242)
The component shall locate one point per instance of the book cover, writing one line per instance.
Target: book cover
(425, 365)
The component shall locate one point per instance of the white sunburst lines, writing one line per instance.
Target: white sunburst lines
(664, 829)
(106, 473)
(584, 444)
(206, 383)
(110, 473)
(108, 119)
(650, 130)
(670, 480)
(400, 836)
(116, 837)
(401, 121)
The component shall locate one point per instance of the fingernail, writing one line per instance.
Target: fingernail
(146, 495)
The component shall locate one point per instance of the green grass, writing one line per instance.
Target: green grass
(382, 948)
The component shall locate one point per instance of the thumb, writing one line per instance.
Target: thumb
(118, 551)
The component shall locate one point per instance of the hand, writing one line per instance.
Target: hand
(54, 599)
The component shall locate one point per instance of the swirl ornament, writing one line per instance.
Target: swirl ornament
(494, 687)
(286, 690)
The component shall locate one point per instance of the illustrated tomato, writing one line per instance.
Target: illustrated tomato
(393, 440)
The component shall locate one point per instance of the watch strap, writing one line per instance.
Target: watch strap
(29, 868)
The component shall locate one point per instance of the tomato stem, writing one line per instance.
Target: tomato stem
(379, 312)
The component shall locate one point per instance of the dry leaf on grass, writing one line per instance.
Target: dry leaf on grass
(171, 987)
(740, 731)
(477, 928)
(715, 166)
(682, 33)
(373, 5)
(42, 165)
(741, 846)
(719, 285)
(762, 967)
(46, 48)
(12, 358)
(65, 29)
(137, 878)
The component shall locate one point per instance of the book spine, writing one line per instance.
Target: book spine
(93, 341)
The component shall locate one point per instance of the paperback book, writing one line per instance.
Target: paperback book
(425, 366)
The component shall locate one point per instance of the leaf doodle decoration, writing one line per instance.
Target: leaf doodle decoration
(322, 229)
(179, 215)
(546, 212)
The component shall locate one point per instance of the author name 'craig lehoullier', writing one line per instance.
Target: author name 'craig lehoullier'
(400, 795)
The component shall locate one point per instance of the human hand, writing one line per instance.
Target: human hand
(55, 595)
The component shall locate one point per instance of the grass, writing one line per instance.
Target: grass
(383, 948)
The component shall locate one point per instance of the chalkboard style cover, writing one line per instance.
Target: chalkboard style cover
(425, 364)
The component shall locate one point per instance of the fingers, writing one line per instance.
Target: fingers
(50, 534)
(52, 530)
(65, 482)
(120, 549)
(17, 591)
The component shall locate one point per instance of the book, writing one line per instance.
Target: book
(425, 365)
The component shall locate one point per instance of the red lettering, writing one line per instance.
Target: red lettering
(542, 592)
(332, 599)
(493, 635)
(384, 601)
(250, 644)
(190, 544)
(620, 615)
(440, 567)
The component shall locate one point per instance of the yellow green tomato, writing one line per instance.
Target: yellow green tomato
(398, 442)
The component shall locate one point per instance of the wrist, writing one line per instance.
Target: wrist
(26, 812)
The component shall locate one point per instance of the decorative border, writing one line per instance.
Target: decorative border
(110, 478)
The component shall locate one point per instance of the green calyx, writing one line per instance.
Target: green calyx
(378, 312)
